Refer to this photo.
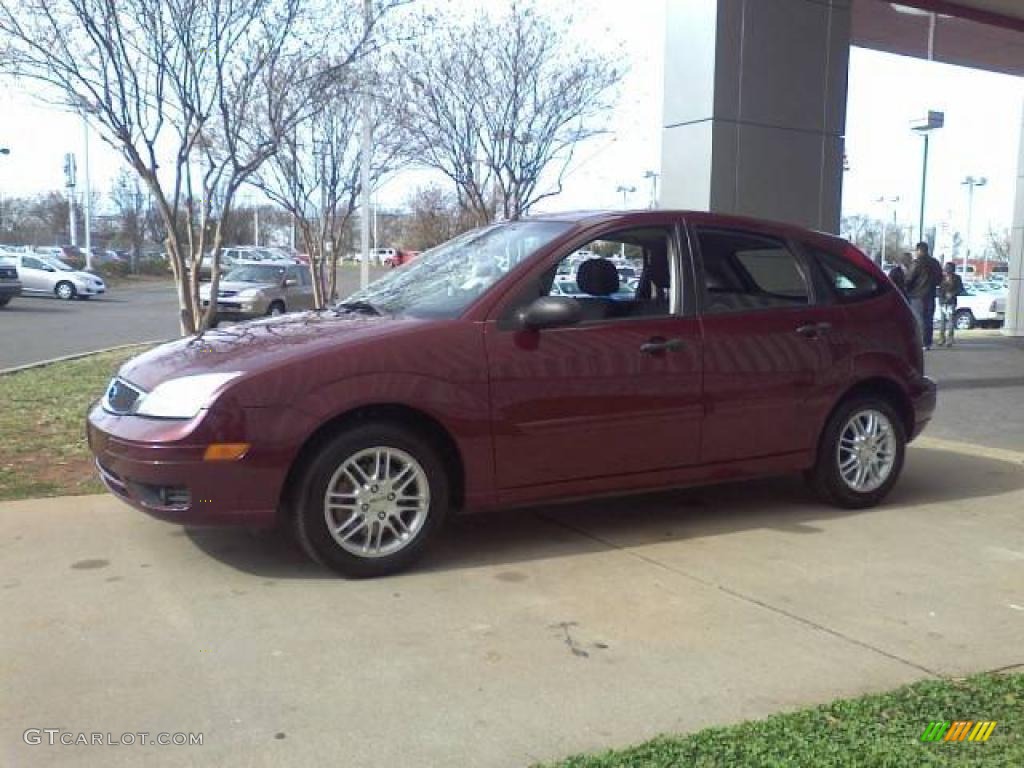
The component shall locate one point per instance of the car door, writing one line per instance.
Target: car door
(612, 395)
(35, 276)
(766, 344)
(301, 294)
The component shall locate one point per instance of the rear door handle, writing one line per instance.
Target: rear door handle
(658, 344)
(814, 330)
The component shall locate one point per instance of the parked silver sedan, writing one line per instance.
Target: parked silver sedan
(46, 275)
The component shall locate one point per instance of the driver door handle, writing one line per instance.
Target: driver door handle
(657, 344)
(814, 330)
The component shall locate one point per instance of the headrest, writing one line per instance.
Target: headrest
(597, 277)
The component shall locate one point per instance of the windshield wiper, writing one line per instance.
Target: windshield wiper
(358, 306)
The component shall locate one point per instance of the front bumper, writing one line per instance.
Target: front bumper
(239, 310)
(90, 289)
(157, 466)
(923, 402)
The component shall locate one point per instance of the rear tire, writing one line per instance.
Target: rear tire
(860, 454)
(5, 301)
(370, 500)
(964, 320)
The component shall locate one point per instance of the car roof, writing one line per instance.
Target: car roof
(637, 217)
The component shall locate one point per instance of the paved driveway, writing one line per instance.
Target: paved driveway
(523, 636)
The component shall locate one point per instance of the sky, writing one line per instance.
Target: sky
(981, 137)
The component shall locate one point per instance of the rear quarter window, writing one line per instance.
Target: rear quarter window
(846, 281)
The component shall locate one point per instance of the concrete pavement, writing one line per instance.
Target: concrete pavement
(523, 636)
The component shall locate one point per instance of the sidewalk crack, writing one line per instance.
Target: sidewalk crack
(746, 598)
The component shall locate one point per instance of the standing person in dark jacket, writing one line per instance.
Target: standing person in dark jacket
(898, 273)
(949, 289)
(922, 282)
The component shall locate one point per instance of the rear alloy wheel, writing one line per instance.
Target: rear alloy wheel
(861, 454)
(371, 499)
(964, 320)
(65, 290)
(276, 308)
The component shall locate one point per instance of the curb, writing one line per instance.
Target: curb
(969, 449)
(76, 356)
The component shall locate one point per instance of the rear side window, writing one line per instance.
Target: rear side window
(746, 272)
(847, 281)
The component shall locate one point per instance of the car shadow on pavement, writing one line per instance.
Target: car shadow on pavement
(931, 476)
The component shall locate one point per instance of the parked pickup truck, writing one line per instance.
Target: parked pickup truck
(10, 285)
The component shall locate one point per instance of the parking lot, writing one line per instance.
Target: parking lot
(40, 328)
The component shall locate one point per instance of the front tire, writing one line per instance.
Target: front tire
(371, 499)
(65, 290)
(860, 455)
(275, 309)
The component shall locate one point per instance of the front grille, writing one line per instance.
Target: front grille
(8, 273)
(121, 397)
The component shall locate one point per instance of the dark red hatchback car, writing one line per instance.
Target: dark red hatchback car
(550, 358)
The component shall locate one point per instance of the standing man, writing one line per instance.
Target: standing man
(949, 289)
(922, 282)
(898, 273)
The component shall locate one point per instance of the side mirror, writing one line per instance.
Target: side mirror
(550, 312)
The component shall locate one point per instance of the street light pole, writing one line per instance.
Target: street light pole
(364, 174)
(924, 127)
(883, 200)
(625, 192)
(88, 202)
(653, 176)
(970, 182)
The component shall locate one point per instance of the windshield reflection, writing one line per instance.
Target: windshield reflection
(445, 280)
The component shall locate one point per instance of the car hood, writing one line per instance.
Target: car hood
(261, 346)
(87, 277)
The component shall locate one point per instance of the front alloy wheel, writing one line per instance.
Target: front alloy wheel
(376, 502)
(65, 290)
(370, 499)
(860, 454)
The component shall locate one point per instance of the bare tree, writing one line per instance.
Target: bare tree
(999, 243)
(184, 91)
(501, 99)
(316, 174)
(130, 204)
(434, 217)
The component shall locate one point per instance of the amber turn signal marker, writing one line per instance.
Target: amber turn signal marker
(225, 451)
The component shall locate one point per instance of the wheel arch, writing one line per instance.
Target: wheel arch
(406, 416)
(878, 386)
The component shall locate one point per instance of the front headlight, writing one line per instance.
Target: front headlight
(183, 398)
(250, 293)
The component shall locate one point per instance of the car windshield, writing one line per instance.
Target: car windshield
(56, 263)
(445, 280)
(251, 273)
